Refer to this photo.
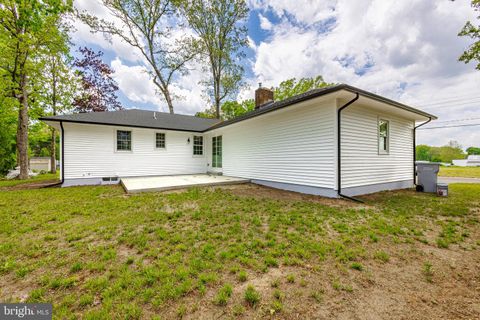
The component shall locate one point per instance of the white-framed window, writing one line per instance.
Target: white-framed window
(160, 141)
(383, 136)
(197, 145)
(124, 140)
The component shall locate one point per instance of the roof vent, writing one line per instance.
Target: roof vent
(154, 115)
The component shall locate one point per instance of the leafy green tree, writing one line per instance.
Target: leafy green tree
(229, 110)
(445, 154)
(8, 120)
(220, 26)
(145, 25)
(292, 87)
(451, 151)
(59, 84)
(423, 152)
(26, 27)
(473, 150)
(233, 109)
(286, 89)
(473, 32)
(39, 140)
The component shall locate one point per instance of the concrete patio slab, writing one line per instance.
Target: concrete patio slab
(162, 183)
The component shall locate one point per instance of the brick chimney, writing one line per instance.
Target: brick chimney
(262, 96)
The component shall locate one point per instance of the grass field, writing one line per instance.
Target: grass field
(464, 172)
(240, 252)
(4, 183)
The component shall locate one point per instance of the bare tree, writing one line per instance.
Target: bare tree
(220, 26)
(144, 24)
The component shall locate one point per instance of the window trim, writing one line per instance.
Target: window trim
(155, 140)
(193, 147)
(115, 134)
(380, 151)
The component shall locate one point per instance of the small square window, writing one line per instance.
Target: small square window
(197, 145)
(160, 140)
(383, 136)
(124, 140)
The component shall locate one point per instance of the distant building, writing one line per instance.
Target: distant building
(471, 161)
(40, 163)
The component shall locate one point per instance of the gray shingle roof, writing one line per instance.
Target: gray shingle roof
(273, 106)
(139, 118)
(167, 121)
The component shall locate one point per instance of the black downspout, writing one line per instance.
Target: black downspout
(339, 151)
(415, 150)
(63, 153)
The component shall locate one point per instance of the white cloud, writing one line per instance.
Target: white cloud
(265, 24)
(405, 50)
(305, 11)
(83, 35)
(136, 85)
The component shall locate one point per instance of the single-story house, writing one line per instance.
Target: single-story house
(471, 161)
(333, 141)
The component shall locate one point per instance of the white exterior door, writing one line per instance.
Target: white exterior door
(217, 154)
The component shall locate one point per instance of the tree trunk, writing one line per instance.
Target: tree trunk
(217, 97)
(169, 102)
(157, 80)
(53, 164)
(22, 130)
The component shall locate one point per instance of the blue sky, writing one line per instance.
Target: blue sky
(404, 50)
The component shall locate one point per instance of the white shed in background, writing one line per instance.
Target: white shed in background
(40, 163)
(471, 161)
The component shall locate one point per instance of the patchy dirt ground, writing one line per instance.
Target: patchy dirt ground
(400, 288)
(397, 289)
(97, 253)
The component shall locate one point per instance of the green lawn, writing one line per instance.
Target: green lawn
(4, 183)
(464, 172)
(97, 253)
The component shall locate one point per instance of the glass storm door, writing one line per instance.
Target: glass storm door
(217, 152)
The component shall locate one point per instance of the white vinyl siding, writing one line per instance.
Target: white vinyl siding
(294, 145)
(362, 163)
(90, 151)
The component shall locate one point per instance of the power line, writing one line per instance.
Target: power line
(428, 103)
(447, 99)
(457, 120)
(455, 126)
(465, 105)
